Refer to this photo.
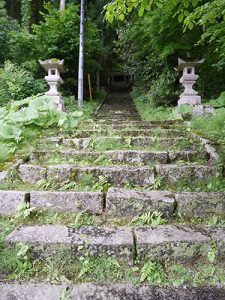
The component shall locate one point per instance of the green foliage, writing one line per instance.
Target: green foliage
(152, 272)
(211, 255)
(6, 25)
(149, 218)
(17, 83)
(26, 13)
(148, 109)
(119, 9)
(213, 126)
(22, 120)
(217, 103)
(24, 210)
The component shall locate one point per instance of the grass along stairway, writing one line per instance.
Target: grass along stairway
(119, 209)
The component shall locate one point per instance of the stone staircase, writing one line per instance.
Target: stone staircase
(116, 169)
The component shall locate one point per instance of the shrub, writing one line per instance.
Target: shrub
(162, 91)
(17, 83)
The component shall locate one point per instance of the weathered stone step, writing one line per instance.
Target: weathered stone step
(117, 175)
(139, 122)
(90, 202)
(124, 202)
(113, 156)
(126, 126)
(200, 204)
(84, 143)
(114, 175)
(172, 173)
(90, 291)
(137, 132)
(122, 127)
(46, 240)
(119, 202)
(11, 200)
(159, 243)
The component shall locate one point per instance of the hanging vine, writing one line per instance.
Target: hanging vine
(26, 13)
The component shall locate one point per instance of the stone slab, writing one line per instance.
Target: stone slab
(31, 173)
(44, 234)
(47, 240)
(91, 202)
(131, 203)
(90, 291)
(85, 143)
(30, 291)
(115, 175)
(137, 132)
(170, 242)
(173, 173)
(189, 155)
(116, 156)
(112, 241)
(201, 204)
(10, 200)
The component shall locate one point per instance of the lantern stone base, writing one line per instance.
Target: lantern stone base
(59, 103)
(192, 100)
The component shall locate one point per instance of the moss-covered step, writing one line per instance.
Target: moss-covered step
(47, 240)
(126, 126)
(90, 202)
(177, 243)
(158, 132)
(157, 243)
(110, 157)
(113, 156)
(124, 202)
(172, 173)
(116, 175)
(117, 142)
(201, 204)
(140, 122)
(88, 291)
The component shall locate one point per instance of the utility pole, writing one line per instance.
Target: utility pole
(81, 57)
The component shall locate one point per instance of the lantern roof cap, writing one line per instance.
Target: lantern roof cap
(183, 64)
(52, 63)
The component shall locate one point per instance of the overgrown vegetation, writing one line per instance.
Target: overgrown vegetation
(23, 121)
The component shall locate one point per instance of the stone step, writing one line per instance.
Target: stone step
(139, 122)
(113, 156)
(90, 202)
(172, 173)
(91, 291)
(158, 243)
(117, 175)
(119, 202)
(125, 126)
(46, 240)
(85, 143)
(131, 203)
(114, 175)
(11, 200)
(201, 204)
(137, 132)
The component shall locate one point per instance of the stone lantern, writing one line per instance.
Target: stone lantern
(189, 96)
(53, 67)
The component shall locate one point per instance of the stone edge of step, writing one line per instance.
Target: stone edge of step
(84, 291)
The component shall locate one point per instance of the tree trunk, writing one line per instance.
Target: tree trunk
(62, 4)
